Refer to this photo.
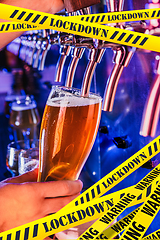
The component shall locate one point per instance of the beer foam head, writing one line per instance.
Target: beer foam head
(22, 107)
(73, 101)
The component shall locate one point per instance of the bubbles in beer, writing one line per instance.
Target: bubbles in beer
(68, 130)
(70, 100)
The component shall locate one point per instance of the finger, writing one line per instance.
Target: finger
(71, 233)
(52, 205)
(58, 188)
(75, 232)
(57, 6)
(30, 176)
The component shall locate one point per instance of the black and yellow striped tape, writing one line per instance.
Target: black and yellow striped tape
(123, 223)
(124, 16)
(154, 235)
(78, 27)
(86, 209)
(144, 217)
(107, 218)
(103, 18)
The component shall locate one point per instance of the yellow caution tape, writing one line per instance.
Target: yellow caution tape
(154, 235)
(103, 222)
(144, 217)
(70, 215)
(124, 16)
(119, 226)
(112, 198)
(104, 18)
(101, 18)
(122, 224)
(102, 205)
(119, 173)
(65, 219)
(78, 27)
(17, 27)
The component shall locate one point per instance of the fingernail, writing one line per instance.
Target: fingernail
(80, 182)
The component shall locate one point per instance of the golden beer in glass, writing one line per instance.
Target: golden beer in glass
(68, 130)
(24, 119)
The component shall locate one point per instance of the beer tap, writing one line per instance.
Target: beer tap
(29, 41)
(40, 38)
(114, 6)
(77, 8)
(32, 47)
(25, 42)
(95, 57)
(77, 52)
(14, 46)
(96, 54)
(64, 52)
(44, 49)
(23, 47)
(73, 8)
(122, 57)
(37, 51)
(152, 108)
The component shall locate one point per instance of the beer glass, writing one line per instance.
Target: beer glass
(8, 103)
(68, 130)
(13, 151)
(28, 160)
(24, 119)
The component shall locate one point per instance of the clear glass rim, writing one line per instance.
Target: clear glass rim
(76, 89)
(13, 144)
(24, 151)
(27, 103)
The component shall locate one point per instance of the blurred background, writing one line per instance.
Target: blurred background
(31, 64)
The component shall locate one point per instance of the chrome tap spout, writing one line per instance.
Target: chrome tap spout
(76, 54)
(152, 109)
(64, 52)
(37, 51)
(114, 5)
(36, 54)
(44, 50)
(122, 58)
(28, 45)
(45, 47)
(29, 59)
(23, 47)
(95, 57)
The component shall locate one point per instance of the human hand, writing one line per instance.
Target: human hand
(76, 232)
(48, 6)
(23, 200)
